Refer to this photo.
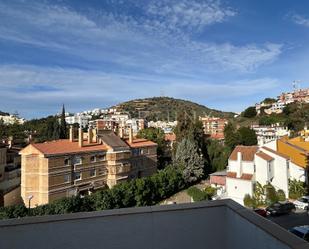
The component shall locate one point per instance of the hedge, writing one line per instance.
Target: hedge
(139, 192)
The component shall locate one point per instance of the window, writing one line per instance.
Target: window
(92, 159)
(67, 178)
(101, 157)
(287, 164)
(77, 160)
(67, 161)
(136, 152)
(92, 173)
(77, 176)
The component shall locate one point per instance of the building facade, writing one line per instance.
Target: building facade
(248, 165)
(266, 134)
(69, 167)
(214, 127)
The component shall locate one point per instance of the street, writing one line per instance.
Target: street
(299, 218)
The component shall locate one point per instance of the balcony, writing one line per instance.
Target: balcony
(216, 224)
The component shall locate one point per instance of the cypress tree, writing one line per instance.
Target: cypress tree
(63, 125)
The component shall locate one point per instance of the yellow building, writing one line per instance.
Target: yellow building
(68, 167)
(296, 148)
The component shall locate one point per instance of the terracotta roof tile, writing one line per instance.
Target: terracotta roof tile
(246, 176)
(65, 146)
(275, 152)
(217, 136)
(243, 176)
(231, 174)
(170, 137)
(264, 156)
(247, 152)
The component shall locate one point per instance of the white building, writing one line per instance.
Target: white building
(248, 165)
(167, 127)
(266, 134)
(11, 119)
(80, 119)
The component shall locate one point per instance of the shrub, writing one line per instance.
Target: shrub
(271, 194)
(281, 195)
(197, 194)
(296, 189)
(249, 201)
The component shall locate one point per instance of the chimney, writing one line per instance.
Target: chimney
(80, 137)
(239, 164)
(130, 135)
(71, 134)
(121, 132)
(94, 137)
(90, 135)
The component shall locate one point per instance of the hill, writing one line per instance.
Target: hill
(166, 108)
(4, 113)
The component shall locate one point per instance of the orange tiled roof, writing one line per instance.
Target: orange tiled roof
(217, 136)
(247, 152)
(231, 174)
(141, 143)
(170, 137)
(275, 152)
(246, 176)
(264, 156)
(242, 177)
(65, 146)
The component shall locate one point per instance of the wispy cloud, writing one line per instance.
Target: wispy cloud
(152, 41)
(191, 15)
(100, 89)
(299, 19)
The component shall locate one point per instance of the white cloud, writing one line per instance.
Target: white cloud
(46, 88)
(301, 20)
(189, 14)
(158, 41)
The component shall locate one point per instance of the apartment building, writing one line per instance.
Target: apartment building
(268, 133)
(81, 165)
(214, 127)
(9, 175)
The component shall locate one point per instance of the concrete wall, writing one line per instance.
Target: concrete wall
(236, 189)
(297, 172)
(217, 224)
(262, 174)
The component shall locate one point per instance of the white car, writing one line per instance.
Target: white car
(302, 203)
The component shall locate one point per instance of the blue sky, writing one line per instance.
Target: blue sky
(86, 54)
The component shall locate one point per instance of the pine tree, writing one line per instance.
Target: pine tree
(63, 125)
(189, 159)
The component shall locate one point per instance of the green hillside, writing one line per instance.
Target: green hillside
(166, 108)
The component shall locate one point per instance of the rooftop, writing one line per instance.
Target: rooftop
(275, 152)
(264, 156)
(65, 146)
(140, 143)
(215, 224)
(247, 152)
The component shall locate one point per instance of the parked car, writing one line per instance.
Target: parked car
(279, 208)
(261, 211)
(302, 203)
(301, 231)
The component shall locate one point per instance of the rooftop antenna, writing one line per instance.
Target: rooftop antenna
(296, 85)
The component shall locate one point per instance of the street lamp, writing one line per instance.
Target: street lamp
(29, 199)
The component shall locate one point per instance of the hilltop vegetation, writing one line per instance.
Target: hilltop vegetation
(294, 116)
(166, 108)
(4, 113)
